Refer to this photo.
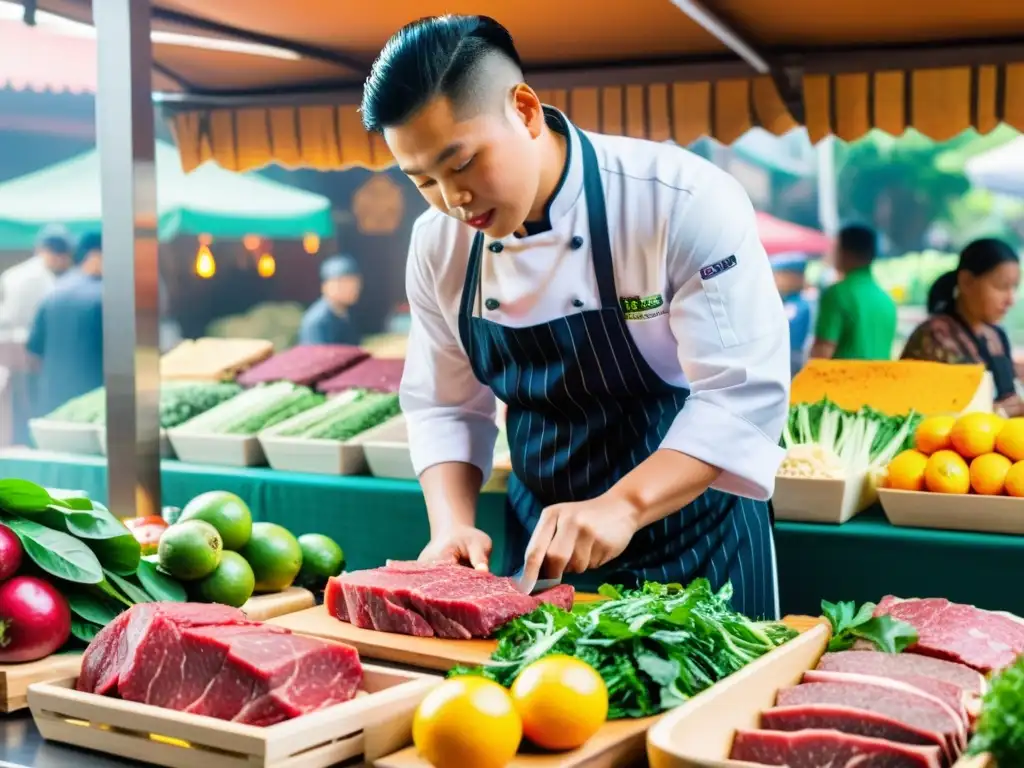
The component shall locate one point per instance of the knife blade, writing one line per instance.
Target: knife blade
(540, 586)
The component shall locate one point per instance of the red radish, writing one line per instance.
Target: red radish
(35, 620)
(10, 553)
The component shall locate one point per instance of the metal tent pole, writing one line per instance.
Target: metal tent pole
(131, 354)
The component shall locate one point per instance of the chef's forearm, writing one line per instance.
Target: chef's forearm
(662, 484)
(451, 490)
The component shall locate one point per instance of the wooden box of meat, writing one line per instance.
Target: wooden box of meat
(200, 685)
(812, 707)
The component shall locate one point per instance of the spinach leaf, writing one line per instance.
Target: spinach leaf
(22, 497)
(57, 553)
(73, 502)
(133, 591)
(91, 607)
(159, 585)
(84, 630)
(114, 545)
(1000, 727)
(108, 589)
(849, 625)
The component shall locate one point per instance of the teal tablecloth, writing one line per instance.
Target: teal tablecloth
(375, 519)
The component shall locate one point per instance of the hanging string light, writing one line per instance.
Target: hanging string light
(205, 265)
(266, 266)
(311, 243)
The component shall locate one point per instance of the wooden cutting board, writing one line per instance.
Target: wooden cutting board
(264, 607)
(16, 678)
(619, 743)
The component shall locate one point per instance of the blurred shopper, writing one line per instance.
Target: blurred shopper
(24, 286)
(67, 333)
(327, 321)
(856, 317)
(789, 270)
(966, 306)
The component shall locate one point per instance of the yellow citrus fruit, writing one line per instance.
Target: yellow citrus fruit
(563, 702)
(988, 473)
(906, 471)
(932, 434)
(467, 721)
(1010, 441)
(1015, 480)
(947, 472)
(974, 434)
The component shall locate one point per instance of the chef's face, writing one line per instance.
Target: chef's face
(484, 168)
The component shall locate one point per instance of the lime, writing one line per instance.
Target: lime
(225, 512)
(231, 584)
(190, 550)
(321, 559)
(275, 557)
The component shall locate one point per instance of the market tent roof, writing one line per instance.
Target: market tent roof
(999, 170)
(778, 236)
(209, 200)
(643, 68)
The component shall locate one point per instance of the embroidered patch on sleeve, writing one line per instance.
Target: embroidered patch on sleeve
(713, 270)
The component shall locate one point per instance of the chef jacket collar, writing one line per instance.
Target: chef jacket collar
(570, 185)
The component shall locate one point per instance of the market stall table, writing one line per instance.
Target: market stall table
(376, 519)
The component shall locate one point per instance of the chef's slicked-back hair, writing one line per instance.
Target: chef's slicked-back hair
(451, 56)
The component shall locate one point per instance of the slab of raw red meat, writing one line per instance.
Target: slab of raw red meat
(305, 364)
(376, 373)
(423, 600)
(901, 664)
(983, 640)
(829, 749)
(210, 660)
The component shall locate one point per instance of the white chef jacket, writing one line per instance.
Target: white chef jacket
(22, 289)
(675, 223)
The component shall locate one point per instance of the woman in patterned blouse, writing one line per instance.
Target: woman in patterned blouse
(966, 307)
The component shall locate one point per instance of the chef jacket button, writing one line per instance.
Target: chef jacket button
(576, 243)
(496, 247)
(577, 302)
(492, 304)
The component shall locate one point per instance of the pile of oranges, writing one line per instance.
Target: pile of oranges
(975, 453)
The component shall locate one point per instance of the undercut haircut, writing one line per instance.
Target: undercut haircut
(471, 60)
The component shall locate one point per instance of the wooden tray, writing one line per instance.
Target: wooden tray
(619, 743)
(263, 607)
(16, 678)
(957, 512)
(360, 730)
(820, 500)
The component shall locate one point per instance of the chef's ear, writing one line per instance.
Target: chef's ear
(528, 109)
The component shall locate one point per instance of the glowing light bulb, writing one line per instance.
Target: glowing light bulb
(311, 243)
(251, 242)
(266, 266)
(206, 267)
(206, 240)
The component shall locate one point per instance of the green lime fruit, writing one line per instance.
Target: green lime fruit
(275, 557)
(321, 559)
(225, 512)
(190, 550)
(231, 584)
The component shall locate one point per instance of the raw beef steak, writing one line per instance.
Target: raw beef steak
(378, 374)
(983, 640)
(209, 660)
(829, 749)
(425, 600)
(900, 664)
(305, 364)
(945, 692)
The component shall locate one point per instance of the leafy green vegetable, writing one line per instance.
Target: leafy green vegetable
(91, 607)
(132, 590)
(159, 585)
(654, 647)
(21, 497)
(849, 625)
(84, 630)
(1000, 727)
(57, 553)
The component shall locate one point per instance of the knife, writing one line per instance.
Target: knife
(540, 586)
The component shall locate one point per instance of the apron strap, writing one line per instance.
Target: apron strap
(469, 290)
(600, 242)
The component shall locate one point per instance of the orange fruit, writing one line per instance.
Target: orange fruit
(932, 434)
(562, 700)
(974, 434)
(988, 473)
(1010, 440)
(1015, 480)
(947, 472)
(906, 471)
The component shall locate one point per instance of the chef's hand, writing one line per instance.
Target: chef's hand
(577, 536)
(462, 544)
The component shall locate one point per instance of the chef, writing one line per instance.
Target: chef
(614, 294)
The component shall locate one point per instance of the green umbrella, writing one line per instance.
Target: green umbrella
(210, 201)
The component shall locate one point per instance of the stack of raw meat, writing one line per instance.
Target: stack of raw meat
(377, 374)
(909, 710)
(211, 660)
(450, 601)
(305, 364)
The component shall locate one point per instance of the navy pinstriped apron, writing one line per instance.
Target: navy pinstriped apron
(585, 408)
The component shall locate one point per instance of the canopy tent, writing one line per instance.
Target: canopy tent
(209, 201)
(999, 170)
(659, 69)
(778, 237)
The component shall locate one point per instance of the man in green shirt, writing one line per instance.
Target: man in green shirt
(856, 317)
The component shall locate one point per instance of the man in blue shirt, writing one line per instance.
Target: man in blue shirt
(327, 321)
(67, 333)
(789, 271)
